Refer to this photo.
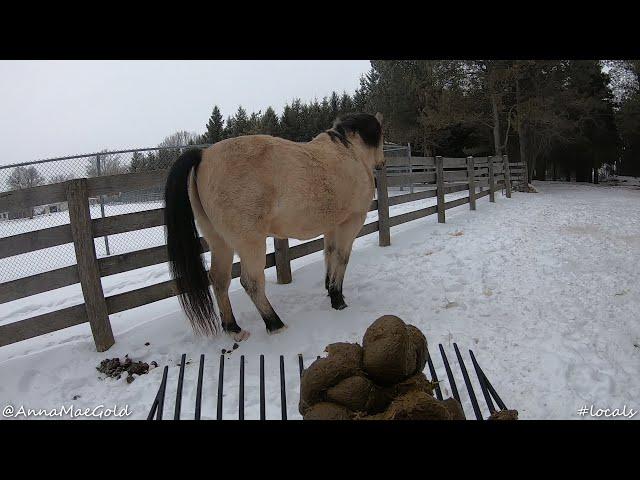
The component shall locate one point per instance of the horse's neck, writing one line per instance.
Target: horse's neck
(335, 148)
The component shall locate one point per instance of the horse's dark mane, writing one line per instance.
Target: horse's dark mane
(365, 125)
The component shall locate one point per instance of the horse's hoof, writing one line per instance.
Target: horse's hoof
(340, 306)
(240, 336)
(277, 330)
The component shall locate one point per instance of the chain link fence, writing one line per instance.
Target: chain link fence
(55, 170)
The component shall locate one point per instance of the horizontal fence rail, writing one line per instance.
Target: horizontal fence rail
(438, 176)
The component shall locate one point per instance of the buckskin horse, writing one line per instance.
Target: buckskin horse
(242, 190)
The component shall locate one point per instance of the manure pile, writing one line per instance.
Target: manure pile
(380, 380)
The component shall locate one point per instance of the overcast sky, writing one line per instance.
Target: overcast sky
(58, 108)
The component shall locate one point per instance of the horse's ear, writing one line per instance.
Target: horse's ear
(379, 117)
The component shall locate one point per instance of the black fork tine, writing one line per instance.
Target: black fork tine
(154, 405)
(176, 414)
(283, 393)
(220, 387)
(199, 388)
(161, 392)
(300, 364)
(483, 384)
(452, 382)
(434, 377)
(467, 382)
(262, 399)
(492, 390)
(241, 390)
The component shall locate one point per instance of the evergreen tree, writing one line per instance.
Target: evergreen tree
(239, 124)
(215, 127)
(346, 104)
(229, 128)
(326, 115)
(334, 104)
(269, 122)
(255, 123)
(137, 162)
(291, 122)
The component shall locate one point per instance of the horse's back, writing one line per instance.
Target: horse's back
(276, 186)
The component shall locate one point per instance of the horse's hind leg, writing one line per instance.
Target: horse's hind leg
(252, 259)
(220, 276)
(329, 251)
(342, 241)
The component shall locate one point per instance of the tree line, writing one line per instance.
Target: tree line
(564, 118)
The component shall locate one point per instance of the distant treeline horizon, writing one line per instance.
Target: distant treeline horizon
(564, 118)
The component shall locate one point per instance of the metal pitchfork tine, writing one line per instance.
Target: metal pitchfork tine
(262, 395)
(434, 377)
(241, 390)
(452, 381)
(220, 387)
(283, 393)
(492, 390)
(467, 381)
(158, 403)
(300, 364)
(199, 388)
(483, 385)
(183, 360)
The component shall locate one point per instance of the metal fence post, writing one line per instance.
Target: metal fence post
(88, 270)
(440, 188)
(283, 261)
(384, 230)
(492, 180)
(471, 174)
(101, 198)
(507, 175)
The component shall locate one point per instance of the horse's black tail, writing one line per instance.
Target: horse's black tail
(183, 246)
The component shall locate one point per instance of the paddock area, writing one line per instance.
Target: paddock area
(544, 287)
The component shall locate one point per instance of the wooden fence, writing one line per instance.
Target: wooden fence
(448, 175)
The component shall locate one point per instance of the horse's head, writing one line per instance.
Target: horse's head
(364, 132)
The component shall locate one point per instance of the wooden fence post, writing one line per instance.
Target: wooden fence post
(440, 188)
(471, 173)
(283, 261)
(507, 175)
(384, 230)
(492, 180)
(88, 270)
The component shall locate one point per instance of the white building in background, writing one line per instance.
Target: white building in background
(47, 209)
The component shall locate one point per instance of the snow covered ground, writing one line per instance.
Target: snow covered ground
(543, 287)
